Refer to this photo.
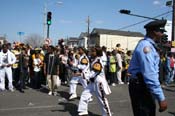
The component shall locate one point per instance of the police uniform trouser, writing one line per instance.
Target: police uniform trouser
(97, 89)
(73, 84)
(6, 71)
(143, 104)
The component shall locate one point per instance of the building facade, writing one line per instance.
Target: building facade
(72, 42)
(83, 40)
(109, 38)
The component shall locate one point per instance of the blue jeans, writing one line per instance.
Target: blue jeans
(169, 76)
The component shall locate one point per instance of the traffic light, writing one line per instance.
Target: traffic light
(49, 17)
(123, 11)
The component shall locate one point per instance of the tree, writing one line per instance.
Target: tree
(34, 40)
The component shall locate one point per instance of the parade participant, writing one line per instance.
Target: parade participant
(63, 66)
(119, 61)
(82, 69)
(72, 64)
(15, 68)
(104, 59)
(7, 59)
(20, 69)
(169, 67)
(143, 71)
(98, 86)
(38, 74)
(112, 68)
(51, 69)
(37, 64)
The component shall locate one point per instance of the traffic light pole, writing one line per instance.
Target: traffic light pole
(48, 29)
(143, 17)
(128, 12)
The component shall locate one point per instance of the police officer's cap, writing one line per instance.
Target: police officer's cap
(157, 25)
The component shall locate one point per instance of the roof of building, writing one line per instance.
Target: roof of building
(2, 38)
(83, 34)
(73, 39)
(116, 32)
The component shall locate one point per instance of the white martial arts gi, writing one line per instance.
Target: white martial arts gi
(99, 87)
(82, 78)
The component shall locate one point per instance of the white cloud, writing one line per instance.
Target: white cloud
(99, 22)
(65, 21)
(156, 2)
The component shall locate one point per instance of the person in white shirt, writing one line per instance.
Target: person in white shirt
(119, 66)
(7, 59)
(37, 63)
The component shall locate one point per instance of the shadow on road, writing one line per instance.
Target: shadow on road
(72, 109)
(63, 94)
(68, 107)
(169, 89)
(44, 90)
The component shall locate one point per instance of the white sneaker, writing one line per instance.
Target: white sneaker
(2, 89)
(91, 99)
(113, 84)
(65, 82)
(120, 83)
(12, 90)
(83, 113)
(73, 96)
(50, 93)
(55, 93)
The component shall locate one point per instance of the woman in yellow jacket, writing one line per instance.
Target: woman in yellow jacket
(112, 68)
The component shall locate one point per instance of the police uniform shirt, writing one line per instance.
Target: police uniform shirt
(145, 59)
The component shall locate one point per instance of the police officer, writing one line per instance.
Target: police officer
(144, 85)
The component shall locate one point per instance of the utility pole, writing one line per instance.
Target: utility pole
(88, 31)
(45, 21)
(173, 21)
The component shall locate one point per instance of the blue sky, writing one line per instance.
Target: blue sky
(69, 18)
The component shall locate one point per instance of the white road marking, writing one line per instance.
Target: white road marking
(52, 106)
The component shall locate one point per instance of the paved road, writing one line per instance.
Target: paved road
(38, 103)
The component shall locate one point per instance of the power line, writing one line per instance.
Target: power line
(144, 20)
